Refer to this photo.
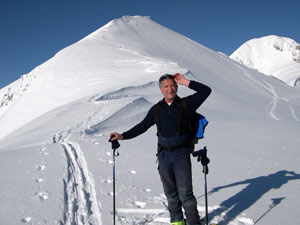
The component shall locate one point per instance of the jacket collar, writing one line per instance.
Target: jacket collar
(177, 99)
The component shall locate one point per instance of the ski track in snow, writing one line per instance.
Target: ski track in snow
(273, 105)
(274, 102)
(293, 112)
(81, 204)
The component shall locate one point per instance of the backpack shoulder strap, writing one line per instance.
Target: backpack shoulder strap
(156, 117)
(183, 106)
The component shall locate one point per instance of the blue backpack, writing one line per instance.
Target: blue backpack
(197, 123)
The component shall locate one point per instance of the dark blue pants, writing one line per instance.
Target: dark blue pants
(176, 176)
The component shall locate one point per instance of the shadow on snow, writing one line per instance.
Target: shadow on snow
(255, 189)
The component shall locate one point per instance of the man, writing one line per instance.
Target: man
(174, 144)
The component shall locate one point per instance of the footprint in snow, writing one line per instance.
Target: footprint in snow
(132, 171)
(45, 153)
(41, 167)
(43, 149)
(108, 181)
(43, 195)
(140, 204)
(40, 180)
(26, 219)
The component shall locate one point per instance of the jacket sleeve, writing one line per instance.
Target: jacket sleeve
(195, 100)
(141, 127)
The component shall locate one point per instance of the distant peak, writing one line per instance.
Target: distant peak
(281, 44)
(271, 55)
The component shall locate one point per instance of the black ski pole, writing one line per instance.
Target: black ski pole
(202, 156)
(114, 145)
(205, 171)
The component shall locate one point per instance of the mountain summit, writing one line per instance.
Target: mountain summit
(126, 49)
(272, 55)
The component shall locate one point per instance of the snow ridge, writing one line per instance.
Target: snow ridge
(14, 91)
(133, 110)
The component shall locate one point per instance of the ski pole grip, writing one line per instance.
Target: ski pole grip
(114, 144)
(200, 154)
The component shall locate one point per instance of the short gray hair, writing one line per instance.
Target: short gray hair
(164, 77)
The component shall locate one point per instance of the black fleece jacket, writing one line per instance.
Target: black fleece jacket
(168, 114)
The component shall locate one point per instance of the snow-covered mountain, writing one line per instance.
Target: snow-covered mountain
(81, 69)
(56, 162)
(272, 55)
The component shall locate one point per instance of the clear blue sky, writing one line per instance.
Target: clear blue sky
(32, 31)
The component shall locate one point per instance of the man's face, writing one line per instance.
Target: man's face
(169, 89)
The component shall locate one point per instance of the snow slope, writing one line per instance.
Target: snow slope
(272, 55)
(97, 60)
(56, 162)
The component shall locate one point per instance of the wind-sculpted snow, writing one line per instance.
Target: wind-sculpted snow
(128, 115)
(148, 89)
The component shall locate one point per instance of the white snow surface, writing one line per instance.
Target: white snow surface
(56, 161)
(272, 55)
